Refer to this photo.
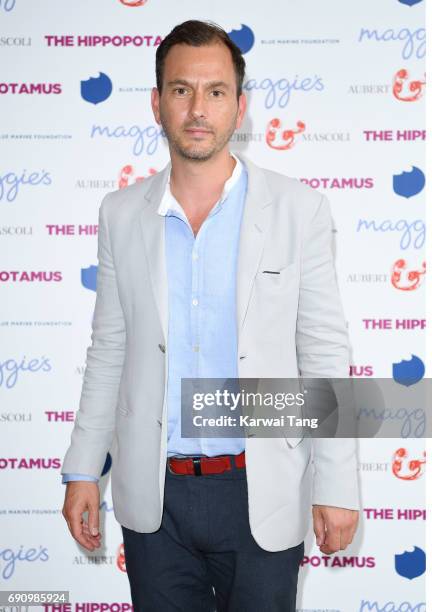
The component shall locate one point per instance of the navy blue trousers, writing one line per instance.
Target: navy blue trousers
(204, 558)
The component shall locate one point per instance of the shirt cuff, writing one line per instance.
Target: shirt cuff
(74, 477)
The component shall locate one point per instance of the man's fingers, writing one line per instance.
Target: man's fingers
(332, 540)
(77, 531)
(337, 524)
(319, 528)
(80, 532)
(347, 536)
(79, 498)
(93, 520)
(86, 531)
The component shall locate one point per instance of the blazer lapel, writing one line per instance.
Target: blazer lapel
(253, 229)
(153, 229)
(254, 225)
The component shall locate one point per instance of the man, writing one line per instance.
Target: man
(211, 268)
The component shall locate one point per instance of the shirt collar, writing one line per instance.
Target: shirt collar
(168, 201)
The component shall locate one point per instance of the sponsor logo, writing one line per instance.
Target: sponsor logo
(145, 140)
(244, 38)
(106, 184)
(10, 368)
(40, 463)
(406, 90)
(107, 465)
(45, 323)
(7, 5)
(339, 561)
(16, 230)
(9, 558)
(96, 89)
(367, 277)
(408, 372)
(390, 514)
(16, 276)
(93, 560)
(390, 135)
(105, 507)
(247, 137)
(133, 3)
(412, 232)
(301, 41)
(367, 605)
(411, 564)
(326, 137)
(410, 2)
(374, 466)
(127, 174)
(361, 370)
(30, 511)
(369, 88)
(412, 421)
(10, 183)
(72, 230)
(279, 138)
(17, 417)
(278, 93)
(64, 416)
(70, 40)
(30, 88)
(408, 184)
(411, 324)
(15, 41)
(339, 183)
(414, 41)
(89, 277)
(404, 279)
(405, 468)
(121, 561)
(91, 606)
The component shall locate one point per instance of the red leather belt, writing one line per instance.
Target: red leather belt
(205, 465)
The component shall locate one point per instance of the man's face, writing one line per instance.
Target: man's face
(198, 108)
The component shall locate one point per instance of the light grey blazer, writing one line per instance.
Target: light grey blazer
(288, 324)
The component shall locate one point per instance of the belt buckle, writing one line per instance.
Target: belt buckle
(196, 461)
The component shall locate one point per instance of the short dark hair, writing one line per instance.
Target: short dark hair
(197, 34)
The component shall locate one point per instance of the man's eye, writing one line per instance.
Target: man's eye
(217, 93)
(180, 90)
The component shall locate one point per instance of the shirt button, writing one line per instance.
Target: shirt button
(194, 256)
(196, 348)
(195, 302)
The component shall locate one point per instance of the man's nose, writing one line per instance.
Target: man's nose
(198, 105)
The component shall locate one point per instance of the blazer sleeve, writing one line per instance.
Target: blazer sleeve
(93, 430)
(323, 351)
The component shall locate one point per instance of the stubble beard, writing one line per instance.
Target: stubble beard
(196, 152)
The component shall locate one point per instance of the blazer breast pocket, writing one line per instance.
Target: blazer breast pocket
(275, 278)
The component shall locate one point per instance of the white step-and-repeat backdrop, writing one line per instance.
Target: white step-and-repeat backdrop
(336, 99)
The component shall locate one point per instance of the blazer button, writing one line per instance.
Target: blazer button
(162, 347)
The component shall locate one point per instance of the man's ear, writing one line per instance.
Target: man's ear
(242, 105)
(155, 101)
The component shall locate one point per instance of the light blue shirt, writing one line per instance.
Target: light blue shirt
(202, 329)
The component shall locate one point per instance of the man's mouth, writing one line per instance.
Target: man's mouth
(198, 131)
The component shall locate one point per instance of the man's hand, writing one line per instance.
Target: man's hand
(334, 527)
(81, 496)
